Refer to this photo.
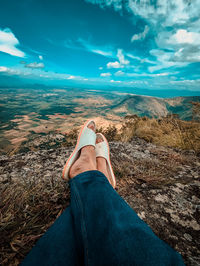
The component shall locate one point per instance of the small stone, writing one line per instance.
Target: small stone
(179, 185)
(161, 198)
(177, 190)
(188, 237)
(141, 215)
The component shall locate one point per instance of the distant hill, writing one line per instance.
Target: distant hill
(156, 107)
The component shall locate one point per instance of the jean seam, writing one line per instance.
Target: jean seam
(83, 226)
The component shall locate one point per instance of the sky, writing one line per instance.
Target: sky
(149, 44)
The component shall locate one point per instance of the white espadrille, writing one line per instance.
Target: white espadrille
(86, 137)
(102, 150)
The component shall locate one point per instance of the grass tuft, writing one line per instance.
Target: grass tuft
(168, 131)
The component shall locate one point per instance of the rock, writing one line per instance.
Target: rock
(164, 192)
(188, 237)
(141, 215)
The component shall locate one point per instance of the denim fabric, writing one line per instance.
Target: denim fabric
(99, 228)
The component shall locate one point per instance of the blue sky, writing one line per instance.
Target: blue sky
(124, 43)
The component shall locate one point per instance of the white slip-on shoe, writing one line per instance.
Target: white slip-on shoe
(86, 137)
(102, 150)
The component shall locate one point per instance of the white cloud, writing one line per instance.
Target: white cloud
(28, 73)
(40, 57)
(115, 81)
(3, 69)
(186, 81)
(105, 74)
(140, 36)
(122, 61)
(175, 23)
(134, 57)
(184, 37)
(141, 60)
(162, 13)
(160, 75)
(121, 58)
(12, 71)
(193, 84)
(165, 12)
(164, 74)
(101, 52)
(115, 64)
(87, 45)
(117, 4)
(35, 65)
(184, 47)
(71, 77)
(133, 74)
(119, 73)
(100, 68)
(164, 60)
(8, 43)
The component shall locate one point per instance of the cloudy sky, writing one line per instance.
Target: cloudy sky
(152, 44)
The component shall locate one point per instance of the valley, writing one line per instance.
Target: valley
(30, 113)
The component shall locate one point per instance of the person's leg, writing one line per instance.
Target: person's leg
(59, 245)
(99, 227)
(109, 231)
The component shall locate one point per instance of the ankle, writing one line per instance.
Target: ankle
(78, 170)
(85, 163)
(88, 151)
(101, 162)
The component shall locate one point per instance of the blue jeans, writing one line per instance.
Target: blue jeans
(99, 228)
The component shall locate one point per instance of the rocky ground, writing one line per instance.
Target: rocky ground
(161, 184)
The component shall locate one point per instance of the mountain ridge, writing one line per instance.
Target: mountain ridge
(157, 107)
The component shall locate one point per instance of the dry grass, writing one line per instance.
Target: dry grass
(27, 210)
(169, 131)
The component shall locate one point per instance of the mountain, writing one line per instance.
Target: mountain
(181, 106)
(156, 107)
